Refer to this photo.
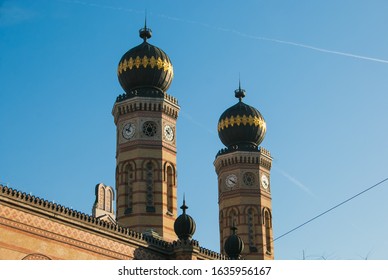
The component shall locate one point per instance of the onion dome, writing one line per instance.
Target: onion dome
(241, 127)
(184, 225)
(145, 66)
(234, 245)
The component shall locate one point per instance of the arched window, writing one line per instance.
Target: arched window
(104, 200)
(101, 197)
(108, 200)
(233, 219)
(129, 176)
(267, 224)
(170, 186)
(149, 187)
(251, 230)
(221, 219)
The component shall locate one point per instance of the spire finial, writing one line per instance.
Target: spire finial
(184, 207)
(145, 19)
(239, 93)
(145, 33)
(184, 225)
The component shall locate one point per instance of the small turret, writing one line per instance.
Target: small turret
(234, 245)
(184, 225)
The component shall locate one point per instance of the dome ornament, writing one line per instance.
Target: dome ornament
(145, 68)
(145, 33)
(184, 225)
(241, 127)
(239, 93)
(184, 207)
(234, 245)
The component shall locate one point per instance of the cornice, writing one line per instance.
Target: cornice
(45, 208)
(229, 157)
(129, 103)
(76, 218)
(193, 246)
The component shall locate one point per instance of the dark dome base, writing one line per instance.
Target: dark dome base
(141, 91)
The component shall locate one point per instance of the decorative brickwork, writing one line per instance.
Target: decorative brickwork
(69, 235)
(36, 257)
(38, 219)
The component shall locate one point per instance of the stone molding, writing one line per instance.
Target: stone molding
(56, 222)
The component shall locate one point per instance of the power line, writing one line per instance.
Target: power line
(331, 209)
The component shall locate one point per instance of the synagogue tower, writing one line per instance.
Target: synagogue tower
(244, 189)
(145, 117)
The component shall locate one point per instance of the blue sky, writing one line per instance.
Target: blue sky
(316, 70)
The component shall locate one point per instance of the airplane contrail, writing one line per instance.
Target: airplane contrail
(290, 43)
(277, 40)
(193, 121)
(313, 48)
(296, 182)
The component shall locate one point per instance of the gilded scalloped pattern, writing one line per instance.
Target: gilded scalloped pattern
(152, 62)
(242, 120)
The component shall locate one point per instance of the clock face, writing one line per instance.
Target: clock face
(264, 181)
(231, 181)
(129, 130)
(168, 133)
